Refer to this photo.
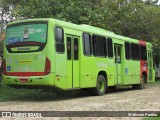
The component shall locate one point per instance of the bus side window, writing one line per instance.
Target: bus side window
(127, 50)
(87, 44)
(69, 48)
(76, 48)
(99, 46)
(59, 38)
(105, 46)
(135, 51)
(143, 52)
(110, 47)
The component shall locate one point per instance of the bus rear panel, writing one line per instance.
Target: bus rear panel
(25, 55)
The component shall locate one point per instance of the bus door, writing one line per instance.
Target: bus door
(118, 66)
(72, 43)
(150, 65)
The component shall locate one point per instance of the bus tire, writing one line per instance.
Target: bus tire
(141, 85)
(100, 88)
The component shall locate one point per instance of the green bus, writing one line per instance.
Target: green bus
(52, 53)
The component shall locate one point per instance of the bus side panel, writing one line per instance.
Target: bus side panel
(60, 73)
(132, 72)
(88, 72)
(91, 66)
(111, 76)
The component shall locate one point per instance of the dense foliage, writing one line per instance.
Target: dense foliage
(131, 18)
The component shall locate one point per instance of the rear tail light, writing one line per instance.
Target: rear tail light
(4, 67)
(47, 69)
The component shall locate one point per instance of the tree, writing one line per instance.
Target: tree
(132, 18)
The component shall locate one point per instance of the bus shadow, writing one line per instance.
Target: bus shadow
(41, 96)
(119, 90)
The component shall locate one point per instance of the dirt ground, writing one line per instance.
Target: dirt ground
(147, 99)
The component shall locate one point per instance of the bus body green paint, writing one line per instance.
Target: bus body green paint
(32, 56)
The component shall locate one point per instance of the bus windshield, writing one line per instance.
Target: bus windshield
(26, 37)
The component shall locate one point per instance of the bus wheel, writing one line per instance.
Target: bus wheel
(141, 85)
(100, 86)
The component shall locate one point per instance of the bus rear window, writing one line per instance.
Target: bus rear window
(27, 37)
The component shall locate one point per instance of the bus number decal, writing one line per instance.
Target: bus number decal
(101, 64)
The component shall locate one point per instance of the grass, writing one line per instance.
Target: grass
(9, 93)
(157, 82)
(12, 94)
